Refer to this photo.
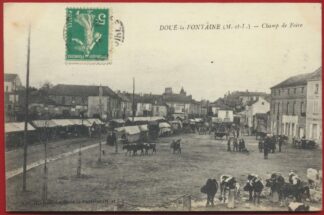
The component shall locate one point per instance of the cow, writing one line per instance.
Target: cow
(228, 182)
(210, 188)
(176, 146)
(276, 182)
(254, 186)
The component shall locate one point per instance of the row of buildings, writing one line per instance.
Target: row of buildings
(64, 101)
(296, 106)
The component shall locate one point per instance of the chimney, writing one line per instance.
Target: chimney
(168, 90)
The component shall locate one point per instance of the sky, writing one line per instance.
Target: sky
(206, 63)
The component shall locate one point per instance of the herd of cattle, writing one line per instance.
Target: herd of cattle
(293, 188)
(144, 148)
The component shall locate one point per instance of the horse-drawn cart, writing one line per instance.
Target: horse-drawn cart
(304, 144)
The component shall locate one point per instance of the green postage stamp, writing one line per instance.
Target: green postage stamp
(87, 34)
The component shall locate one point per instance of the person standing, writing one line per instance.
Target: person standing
(280, 143)
(114, 141)
(266, 144)
(229, 144)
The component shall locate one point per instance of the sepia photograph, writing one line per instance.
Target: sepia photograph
(163, 107)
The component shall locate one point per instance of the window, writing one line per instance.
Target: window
(302, 90)
(262, 103)
(287, 110)
(274, 108)
(227, 114)
(301, 107)
(316, 88)
(314, 131)
(63, 99)
(288, 91)
(315, 107)
(278, 107)
(7, 88)
(294, 108)
(295, 90)
(279, 91)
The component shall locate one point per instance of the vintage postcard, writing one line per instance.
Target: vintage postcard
(163, 107)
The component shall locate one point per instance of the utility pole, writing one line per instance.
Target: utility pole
(100, 111)
(80, 147)
(45, 177)
(26, 116)
(133, 103)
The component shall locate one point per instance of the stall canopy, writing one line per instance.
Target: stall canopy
(62, 122)
(76, 121)
(17, 127)
(164, 125)
(120, 121)
(44, 123)
(146, 119)
(94, 120)
(131, 130)
(143, 127)
(198, 120)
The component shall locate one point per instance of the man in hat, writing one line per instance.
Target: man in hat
(266, 146)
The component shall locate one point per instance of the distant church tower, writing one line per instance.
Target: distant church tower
(182, 92)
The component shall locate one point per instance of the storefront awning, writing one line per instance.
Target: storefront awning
(131, 130)
(17, 127)
(164, 125)
(44, 123)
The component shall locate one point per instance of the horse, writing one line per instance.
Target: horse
(148, 146)
(176, 146)
(134, 148)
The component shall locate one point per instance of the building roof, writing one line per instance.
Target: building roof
(177, 98)
(249, 103)
(298, 79)
(246, 93)
(317, 75)
(263, 116)
(124, 97)
(8, 77)
(81, 90)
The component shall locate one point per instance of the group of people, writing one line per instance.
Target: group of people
(230, 188)
(236, 145)
(268, 144)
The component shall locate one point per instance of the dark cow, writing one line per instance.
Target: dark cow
(227, 182)
(254, 186)
(176, 146)
(276, 183)
(210, 188)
